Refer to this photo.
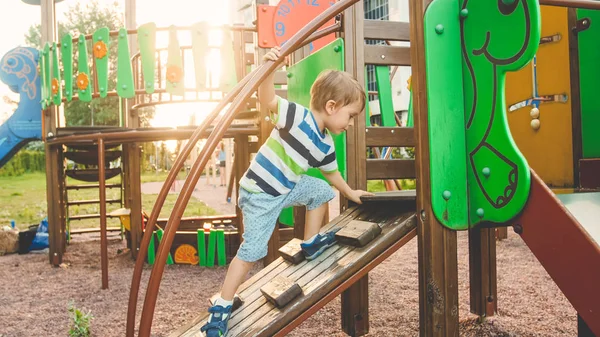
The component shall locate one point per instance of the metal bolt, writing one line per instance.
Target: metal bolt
(337, 49)
(464, 13)
(439, 28)
(289, 75)
(383, 57)
(447, 195)
(518, 228)
(480, 212)
(423, 215)
(124, 86)
(486, 171)
(50, 134)
(366, 130)
(267, 118)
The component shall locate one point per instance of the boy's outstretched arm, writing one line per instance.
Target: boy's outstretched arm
(266, 90)
(335, 178)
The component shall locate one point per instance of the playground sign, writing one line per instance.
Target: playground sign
(277, 24)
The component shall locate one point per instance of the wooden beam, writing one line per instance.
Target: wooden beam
(55, 237)
(395, 136)
(387, 30)
(355, 300)
(575, 95)
(387, 55)
(482, 271)
(391, 169)
(438, 262)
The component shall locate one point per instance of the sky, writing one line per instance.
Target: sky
(16, 17)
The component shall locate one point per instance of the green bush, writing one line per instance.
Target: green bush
(25, 161)
(80, 322)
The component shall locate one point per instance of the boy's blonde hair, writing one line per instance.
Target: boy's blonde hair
(338, 86)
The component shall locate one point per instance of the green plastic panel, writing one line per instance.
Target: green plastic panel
(199, 48)
(147, 42)
(174, 60)
(301, 76)
(57, 98)
(228, 74)
(43, 73)
(221, 256)
(410, 119)
(212, 243)
(367, 108)
(446, 114)
(125, 87)
(384, 90)
(151, 250)
(66, 53)
(102, 35)
(159, 235)
(589, 70)
(201, 248)
(85, 94)
(497, 37)
(47, 74)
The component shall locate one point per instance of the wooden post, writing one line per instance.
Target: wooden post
(575, 95)
(55, 234)
(102, 192)
(502, 233)
(482, 271)
(133, 193)
(355, 300)
(438, 263)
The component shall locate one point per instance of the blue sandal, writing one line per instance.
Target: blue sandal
(319, 244)
(217, 326)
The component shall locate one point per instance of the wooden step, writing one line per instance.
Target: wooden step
(91, 202)
(91, 175)
(93, 230)
(91, 157)
(90, 186)
(89, 216)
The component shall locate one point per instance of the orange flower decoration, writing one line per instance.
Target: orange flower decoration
(409, 83)
(100, 49)
(55, 86)
(174, 74)
(186, 254)
(82, 81)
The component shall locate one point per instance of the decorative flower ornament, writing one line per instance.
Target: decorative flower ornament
(174, 74)
(100, 49)
(82, 81)
(55, 86)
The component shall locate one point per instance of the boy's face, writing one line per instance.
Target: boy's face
(339, 119)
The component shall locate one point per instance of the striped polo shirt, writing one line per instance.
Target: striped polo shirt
(295, 145)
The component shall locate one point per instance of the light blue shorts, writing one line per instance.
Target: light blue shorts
(261, 211)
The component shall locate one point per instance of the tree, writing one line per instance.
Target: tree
(86, 18)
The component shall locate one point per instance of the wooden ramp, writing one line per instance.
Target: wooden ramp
(322, 279)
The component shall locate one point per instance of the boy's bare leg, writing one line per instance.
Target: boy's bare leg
(236, 274)
(314, 220)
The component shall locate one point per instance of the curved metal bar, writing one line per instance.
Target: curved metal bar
(142, 253)
(192, 178)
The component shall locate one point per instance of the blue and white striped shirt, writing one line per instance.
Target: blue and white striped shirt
(295, 145)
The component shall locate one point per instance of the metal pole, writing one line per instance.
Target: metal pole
(102, 192)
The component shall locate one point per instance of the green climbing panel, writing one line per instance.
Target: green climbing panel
(125, 87)
(384, 90)
(589, 70)
(410, 119)
(212, 243)
(199, 48)
(151, 250)
(147, 41)
(228, 74)
(301, 76)
(83, 81)
(159, 235)
(446, 114)
(100, 52)
(47, 74)
(56, 97)
(367, 108)
(175, 85)
(66, 52)
(43, 75)
(201, 248)
(497, 37)
(221, 257)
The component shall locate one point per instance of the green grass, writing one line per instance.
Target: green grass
(379, 186)
(23, 199)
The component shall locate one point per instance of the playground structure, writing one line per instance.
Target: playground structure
(447, 47)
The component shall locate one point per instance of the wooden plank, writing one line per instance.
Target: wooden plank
(387, 55)
(438, 262)
(395, 136)
(280, 77)
(281, 291)
(390, 169)
(358, 233)
(292, 251)
(406, 196)
(387, 30)
(482, 271)
(91, 202)
(93, 230)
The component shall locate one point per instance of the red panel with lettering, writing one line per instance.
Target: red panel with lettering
(277, 24)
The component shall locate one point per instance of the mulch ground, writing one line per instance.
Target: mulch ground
(34, 296)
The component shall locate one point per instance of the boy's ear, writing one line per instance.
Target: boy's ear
(330, 107)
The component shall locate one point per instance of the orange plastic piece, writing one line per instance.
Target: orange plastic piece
(82, 81)
(174, 74)
(54, 86)
(100, 49)
(186, 254)
(277, 24)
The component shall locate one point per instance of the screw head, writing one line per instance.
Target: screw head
(289, 75)
(447, 195)
(480, 212)
(100, 38)
(439, 28)
(535, 124)
(124, 86)
(337, 49)
(148, 84)
(50, 134)
(534, 113)
(464, 13)
(383, 57)
(486, 171)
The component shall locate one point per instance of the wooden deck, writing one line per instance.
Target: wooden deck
(321, 279)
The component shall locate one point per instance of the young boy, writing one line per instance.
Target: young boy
(276, 177)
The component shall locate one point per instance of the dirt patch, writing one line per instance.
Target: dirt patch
(34, 297)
